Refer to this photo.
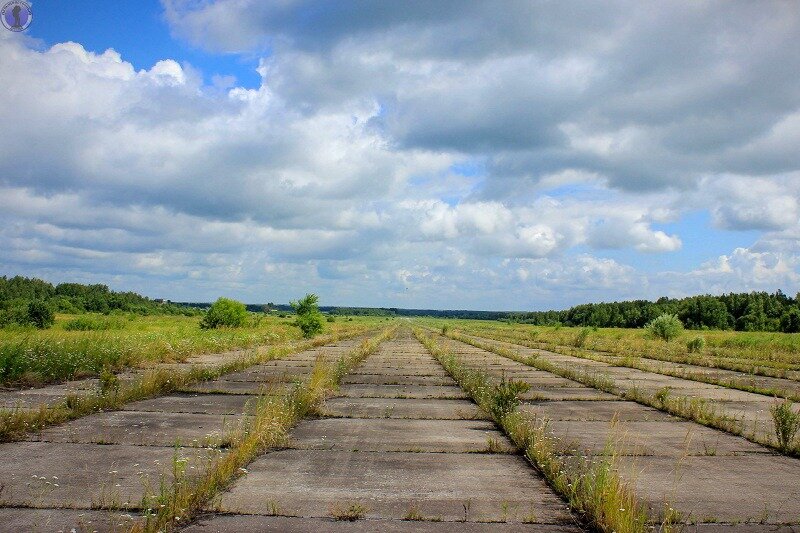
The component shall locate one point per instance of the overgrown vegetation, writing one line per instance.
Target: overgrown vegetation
(309, 317)
(787, 423)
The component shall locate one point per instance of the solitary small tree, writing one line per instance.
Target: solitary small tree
(225, 313)
(309, 318)
(665, 327)
(40, 314)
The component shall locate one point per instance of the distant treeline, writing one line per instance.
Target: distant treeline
(755, 311)
(16, 294)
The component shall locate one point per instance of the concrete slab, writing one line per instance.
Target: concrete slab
(281, 524)
(671, 438)
(380, 379)
(310, 482)
(748, 488)
(211, 404)
(421, 408)
(19, 519)
(223, 386)
(46, 474)
(145, 429)
(600, 410)
(400, 435)
(401, 391)
(566, 393)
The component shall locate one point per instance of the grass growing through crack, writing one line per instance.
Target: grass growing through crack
(178, 502)
(348, 512)
(593, 488)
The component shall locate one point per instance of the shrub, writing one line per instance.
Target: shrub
(580, 338)
(225, 313)
(696, 345)
(665, 327)
(505, 397)
(309, 319)
(330, 319)
(787, 422)
(40, 314)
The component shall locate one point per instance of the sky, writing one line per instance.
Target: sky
(452, 155)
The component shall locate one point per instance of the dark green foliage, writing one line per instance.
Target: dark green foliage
(17, 292)
(225, 313)
(696, 345)
(790, 320)
(40, 314)
(309, 318)
(755, 311)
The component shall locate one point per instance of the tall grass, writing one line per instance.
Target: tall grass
(592, 487)
(16, 423)
(37, 358)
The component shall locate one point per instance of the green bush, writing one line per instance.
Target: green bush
(580, 338)
(696, 345)
(665, 327)
(40, 314)
(787, 423)
(309, 318)
(225, 313)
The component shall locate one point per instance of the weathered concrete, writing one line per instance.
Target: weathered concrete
(705, 474)
(399, 435)
(21, 519)
(402, 408)
(142, 428)
(311, 482)
(47, 474)
(403, 391)
(210, 404)
(394, 403)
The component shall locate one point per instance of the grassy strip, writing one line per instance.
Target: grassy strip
(732, 362)
(592, 487)
(16, 423)
(694, 409)
(178, 503)
(638, 362)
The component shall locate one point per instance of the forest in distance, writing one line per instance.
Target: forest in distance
(753, 311)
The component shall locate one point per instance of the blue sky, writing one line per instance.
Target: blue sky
(411, 154)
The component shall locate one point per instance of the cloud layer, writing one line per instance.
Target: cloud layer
(423, 154)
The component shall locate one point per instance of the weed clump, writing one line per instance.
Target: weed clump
(504, 398)
(696, 345)
(787, 423)
(665, 327)
(580, 338)
(349, 513)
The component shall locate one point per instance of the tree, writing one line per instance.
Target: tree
(790, 321)
(225, 313)
(309, 318)
(665, 327)
(40, 314)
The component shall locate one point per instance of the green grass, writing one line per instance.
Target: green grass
(32, 357)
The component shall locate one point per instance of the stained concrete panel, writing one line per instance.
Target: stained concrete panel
(145, 428)
(412, 435)
(402, 408)
(311, 482)
(21, 519)
(211, 404)
(402, 391)
(46, 474)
